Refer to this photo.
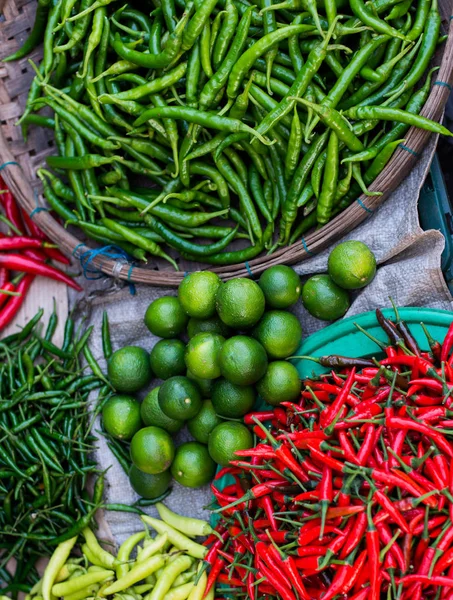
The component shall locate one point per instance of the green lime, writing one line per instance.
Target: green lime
(243, 360)
(281, 286)
(121, 417)
(226, 439)
(152, 414)
(202, 424)
(179, 398)
(324, 299)
(167, 358)
(352, 265)
(232, 401)
(197, 293)
(202, 355)
(193, 467)
(129, 369)
(147, 485)
(165, 317)
(281, 383)
(279, 332)
(152, 450)
(240, 303)
(205, 385)
(211, 325)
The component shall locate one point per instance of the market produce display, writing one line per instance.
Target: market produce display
(347, 492)
(24, 253)
(274, 116)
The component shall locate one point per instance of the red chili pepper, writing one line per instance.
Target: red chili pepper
(355, 536)
(213, 574)
(16, 262)
(372, 546)
(288, 563)
(9, 286)
(229, 581)
(305, 537)
(311, 550)
(328, 416)
(447, 344)
(369, 441)
(279, 537)
(438, 580)
(341, 578)
(4, 276)
(266, 415)
(325, 496)
(401, 480)
(20, 242)
(333, 463)
(347, 447)
(11, 308)
(445, 562)
(385, 534)
(282, 590)
(389, 507)
(11, 209)
(266, 503)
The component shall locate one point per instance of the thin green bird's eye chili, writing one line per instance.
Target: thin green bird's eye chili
(226, 34)
(329, 182)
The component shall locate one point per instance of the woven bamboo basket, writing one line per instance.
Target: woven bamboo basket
(23, 158)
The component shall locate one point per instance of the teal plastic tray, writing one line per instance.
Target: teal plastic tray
(345, 339)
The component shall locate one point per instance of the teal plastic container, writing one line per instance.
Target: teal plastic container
(345, 339)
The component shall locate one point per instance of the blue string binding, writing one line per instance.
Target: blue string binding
(413, 152)
(365, 208)
(304, 244)
(249, 270)
(10, 162)
(443, 84)
(113, 252)
(37, 208)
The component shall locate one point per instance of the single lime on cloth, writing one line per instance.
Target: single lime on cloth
(129, 369)
(211, 325)
(165, 317)
(193, 466)
(152, 413)
(152, 450)
(226, 439)
(121, 417)
(243, 360)
(202, 424)
(179, 398)
(352, 265)
(167, 358)
(281, 286)
(232, 401)
(324, 299)
(147, 485)
(197, 293)
(279, 332)
(281, 383)
(240, 303)
(202, 355)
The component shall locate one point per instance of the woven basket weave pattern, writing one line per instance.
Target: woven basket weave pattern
(15, 79)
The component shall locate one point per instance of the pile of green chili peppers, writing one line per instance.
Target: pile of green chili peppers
(45, 444)
(252, 119)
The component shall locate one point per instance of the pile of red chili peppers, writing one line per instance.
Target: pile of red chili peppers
(348, 493)
(27, 253)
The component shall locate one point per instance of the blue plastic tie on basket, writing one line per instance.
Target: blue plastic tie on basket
(413, 152)
(37, 208)
(443, 84)
(304, 244)
(112, 252)
(249, 270)
(8, 163)
(366, 208)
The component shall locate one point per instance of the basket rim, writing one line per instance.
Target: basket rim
(314, 242)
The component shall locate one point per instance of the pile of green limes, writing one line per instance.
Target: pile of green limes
(351, 266)
(222, 345)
